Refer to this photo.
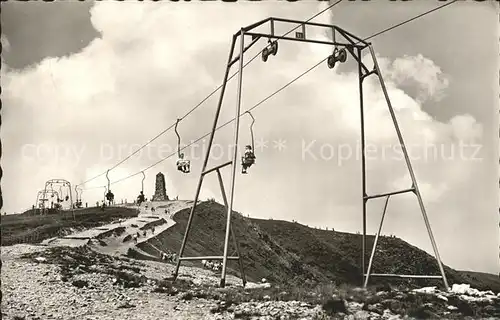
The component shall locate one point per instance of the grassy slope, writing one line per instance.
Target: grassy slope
(287, 252)
(29, 228)
(281, 251)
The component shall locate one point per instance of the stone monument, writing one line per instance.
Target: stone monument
(160, 189)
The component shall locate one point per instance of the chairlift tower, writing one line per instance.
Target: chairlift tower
(341, 43)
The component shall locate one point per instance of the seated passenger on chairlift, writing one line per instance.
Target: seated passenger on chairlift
(110, 197)
(141, 198)
(182, 165)
(248, 159)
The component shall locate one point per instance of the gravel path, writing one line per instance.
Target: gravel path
(36, 290)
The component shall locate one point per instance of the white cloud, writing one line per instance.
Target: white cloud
(465, 128)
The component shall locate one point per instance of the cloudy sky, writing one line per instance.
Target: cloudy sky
(85, 84)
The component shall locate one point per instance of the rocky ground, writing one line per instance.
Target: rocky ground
(78, 283)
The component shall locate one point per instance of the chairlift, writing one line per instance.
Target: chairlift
(270, 49)
(248, 158)
(339, 55)
(109, 195)
(78, 202)
(183, 165)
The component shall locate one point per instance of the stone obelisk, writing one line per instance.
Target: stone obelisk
(160, 188)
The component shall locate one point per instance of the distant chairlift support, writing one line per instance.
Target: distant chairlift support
(61, 195)
(69, 197)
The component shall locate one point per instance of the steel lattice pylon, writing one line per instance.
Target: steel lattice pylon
(355, 47)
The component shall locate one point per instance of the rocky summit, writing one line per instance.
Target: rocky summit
(117, 263)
